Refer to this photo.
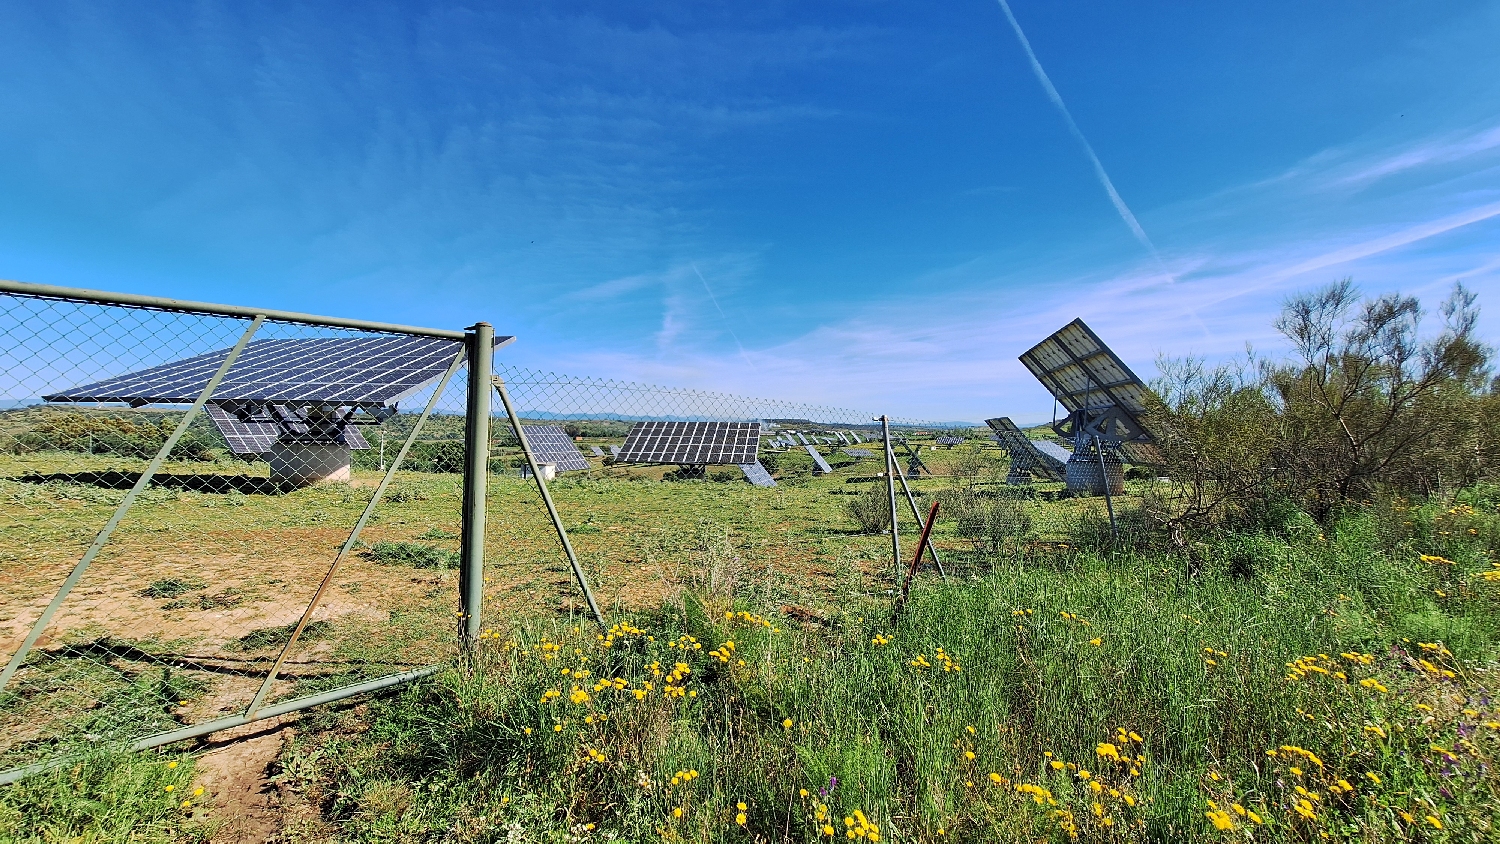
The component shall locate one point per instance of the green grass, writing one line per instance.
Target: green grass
(1040, 662)
(107, 795)
(450, 759)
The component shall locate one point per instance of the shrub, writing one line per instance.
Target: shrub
(871, 509)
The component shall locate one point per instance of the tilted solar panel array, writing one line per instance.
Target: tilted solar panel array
(757, 474)
(692, 443)
(823, 467)
(1047, 459)
(364, 372)
(551, 444)
(244, 437)
(949, 440)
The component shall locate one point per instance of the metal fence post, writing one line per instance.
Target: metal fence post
(890, 488)
(481, 342)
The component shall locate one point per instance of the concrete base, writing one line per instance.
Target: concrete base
(304, 464)
(548, 471)
(1082, 473)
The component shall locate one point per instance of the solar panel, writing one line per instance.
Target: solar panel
(843, 439)
(692, 443)
(859, 452)
(551, 444)
(244, 437)
(757, 474)
(367, 372)
(823, 467)
(614, 451)
(1040, 457)
(598, 452)
(855, 435)
(799, 436)
(1102, 396)
(254, 430)
(949, 440)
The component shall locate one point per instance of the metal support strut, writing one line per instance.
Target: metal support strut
(890, 486)
(925, 527)
(254, 710)
(541, 485)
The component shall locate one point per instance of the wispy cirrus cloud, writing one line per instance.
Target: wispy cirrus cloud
(954, 356)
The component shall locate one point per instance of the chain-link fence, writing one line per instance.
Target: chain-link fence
(212, 515)
(174, 554)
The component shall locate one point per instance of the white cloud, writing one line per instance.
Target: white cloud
(952, 355)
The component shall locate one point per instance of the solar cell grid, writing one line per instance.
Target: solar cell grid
(551, 444)
(264, 426)
(348, 371)
(756, 474)
(823, 467)
(1040, 456)
(692, 443)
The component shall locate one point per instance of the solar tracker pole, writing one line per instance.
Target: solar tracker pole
(541, 485)
(890, 487)
(481, 354)
(140, 484)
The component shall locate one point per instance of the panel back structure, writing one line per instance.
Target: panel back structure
(692, 443)
(1105, 401)
(551, 444)
(1103, 397)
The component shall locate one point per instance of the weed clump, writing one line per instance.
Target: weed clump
(269, 637)
(172, 587)
(414, 554)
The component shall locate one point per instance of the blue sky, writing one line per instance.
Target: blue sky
(870, 204)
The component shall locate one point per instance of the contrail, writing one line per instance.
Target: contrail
(727, 326)
(1057, 100)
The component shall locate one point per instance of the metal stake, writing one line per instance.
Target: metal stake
(481, 342)
(890, 486)
(253, 709)
(140, 484)
(541, 485)
(917, 514)
(911, 573)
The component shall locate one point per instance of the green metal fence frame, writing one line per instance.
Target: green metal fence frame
(478, 344)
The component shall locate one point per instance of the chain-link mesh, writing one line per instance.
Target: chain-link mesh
(205, 515)
(639, 536)
(193, 596)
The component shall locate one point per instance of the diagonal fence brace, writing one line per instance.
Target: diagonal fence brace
(251, 711)
(541, 485)
(141, 483)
